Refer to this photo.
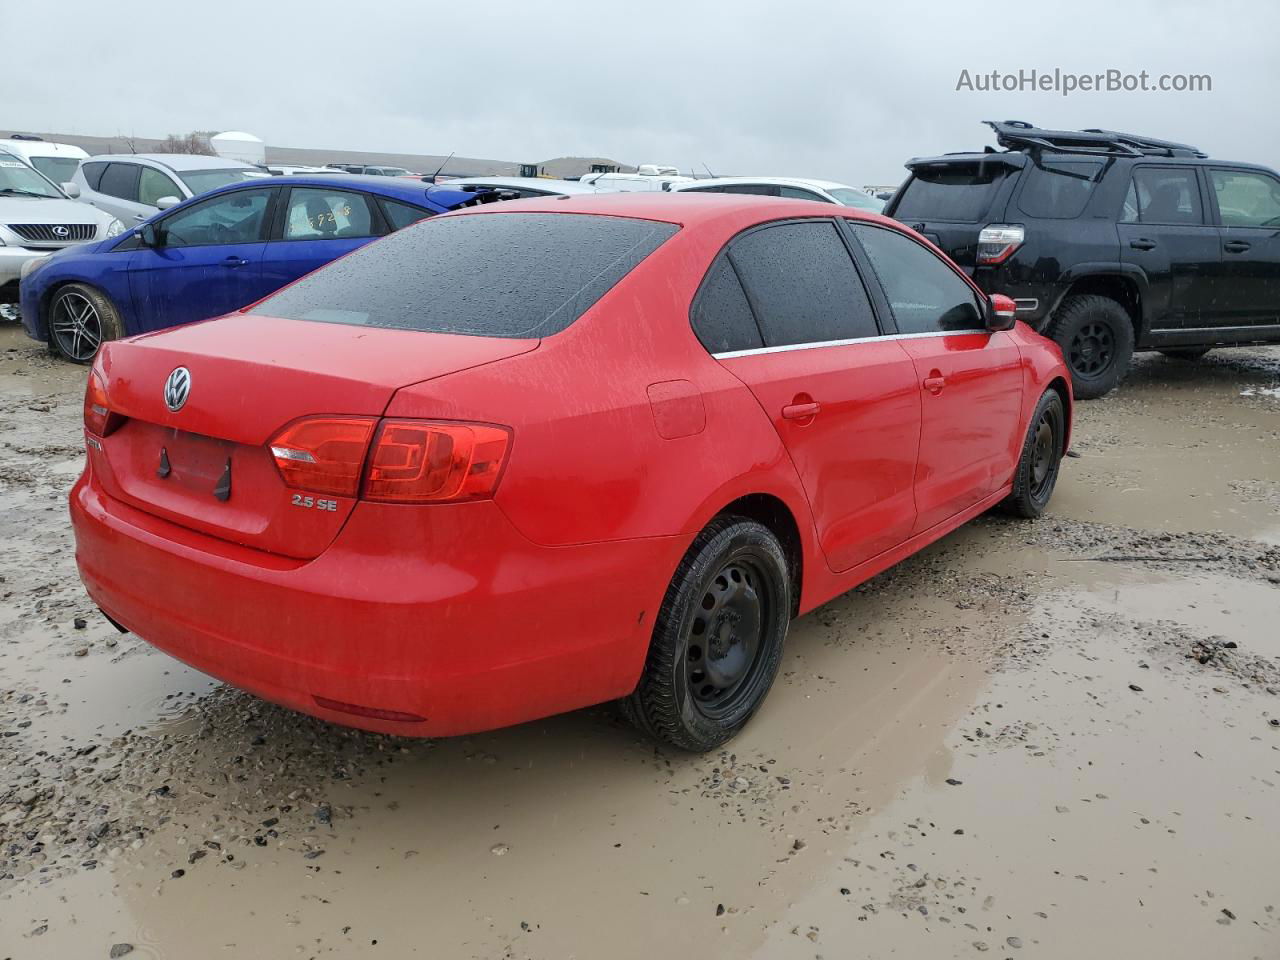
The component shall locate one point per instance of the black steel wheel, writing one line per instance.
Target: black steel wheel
(1038, 466)
(81, 319)
(718, 638)
(1096, 337)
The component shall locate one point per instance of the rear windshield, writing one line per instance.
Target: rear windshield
(956, 192)
(1058, 189)
(523, 275)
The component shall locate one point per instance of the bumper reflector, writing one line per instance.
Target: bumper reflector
(376, 713)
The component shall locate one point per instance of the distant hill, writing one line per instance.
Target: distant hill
(422, 162)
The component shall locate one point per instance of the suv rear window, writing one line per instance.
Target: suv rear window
(954, 192)
(522, 275)
(1058, 189)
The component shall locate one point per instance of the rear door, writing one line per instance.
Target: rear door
(316, 225)
(842, 397)
(967, 380)
(1247, 204)
(1164, 231)
(117, 193)
(209, 263)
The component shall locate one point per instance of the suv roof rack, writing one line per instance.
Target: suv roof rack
(1019, 135)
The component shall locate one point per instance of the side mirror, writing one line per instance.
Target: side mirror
(164, 203)
(1002, 312)
(71, 190)
(150, 235)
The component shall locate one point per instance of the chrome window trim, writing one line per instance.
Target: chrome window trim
(731, 354)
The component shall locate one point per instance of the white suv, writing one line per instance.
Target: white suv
(57, 161)
(36, 219)
(135, 186)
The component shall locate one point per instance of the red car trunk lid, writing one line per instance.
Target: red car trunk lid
(249, 377)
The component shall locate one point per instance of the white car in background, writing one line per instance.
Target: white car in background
(648, 176)
(57, 161)
(522, 187)
(824, 191)
(136, 186)
(37, 219)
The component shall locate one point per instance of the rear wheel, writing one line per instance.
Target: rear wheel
(1037, 472)
(1185, 353)
(1096, 337)
(718, 638)
(81, 319)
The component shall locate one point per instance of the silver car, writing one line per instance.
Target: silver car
(134, 187)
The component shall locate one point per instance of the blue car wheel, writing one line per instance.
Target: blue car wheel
(80, 319)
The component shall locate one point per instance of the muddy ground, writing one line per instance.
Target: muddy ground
(1057, 740)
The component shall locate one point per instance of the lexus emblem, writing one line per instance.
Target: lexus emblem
(61, 231)
(177, 388)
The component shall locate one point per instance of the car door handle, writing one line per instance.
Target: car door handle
(800, 411)
(140, 217)
(1142, 243)
(234, 261)
(1236, 246)
(935, 382)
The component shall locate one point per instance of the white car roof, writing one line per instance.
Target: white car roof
(775, 181)
(41, 148)
(521, 183)
(179, 161)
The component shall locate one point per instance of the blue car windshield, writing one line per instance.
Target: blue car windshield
(202, 181)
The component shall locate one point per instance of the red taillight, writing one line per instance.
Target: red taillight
(323, 454)
(99, 418)
(417, 461)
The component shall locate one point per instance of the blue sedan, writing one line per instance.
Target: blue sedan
(216, 253)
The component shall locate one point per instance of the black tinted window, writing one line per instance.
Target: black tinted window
(804, 284)
(954, 192)
(120, 180)
(1163, 195)
(400, 215)
(925, 294)
(722, 318)
(758, 189)
(1058, 189)
(93, 174)
(494, 275)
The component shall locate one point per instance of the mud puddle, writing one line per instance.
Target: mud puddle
(953, 762)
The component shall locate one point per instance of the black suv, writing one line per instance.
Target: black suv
(1108, 242)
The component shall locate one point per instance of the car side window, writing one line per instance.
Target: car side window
(401, 215)
(1163, 195)
(318, 214)
(803, 284)
(799, 193)
(235, 217)
(756, 189)
(152, 185)
(722, 317)
(120, 180)
(93, 174)
(924, 293)
(1246, 199)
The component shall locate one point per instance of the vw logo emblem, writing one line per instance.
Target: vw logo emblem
(177, 388)
(61, 231)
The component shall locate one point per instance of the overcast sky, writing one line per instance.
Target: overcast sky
(837, 90)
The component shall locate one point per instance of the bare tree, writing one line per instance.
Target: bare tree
(190, 143)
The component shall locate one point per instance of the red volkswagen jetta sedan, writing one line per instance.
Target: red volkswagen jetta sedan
(539, 455)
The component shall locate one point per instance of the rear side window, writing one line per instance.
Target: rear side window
(803, 283)
(1162, 195)
(925, 294)
(120, 180)
(523, 275)
(318, 214)
(755, 189)
(1058, 189)
(93, 174)
(400, 215)
(953, 192)
(722, 318)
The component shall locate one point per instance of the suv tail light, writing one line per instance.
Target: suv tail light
(997, 242)
(411, 461)
(99, 418)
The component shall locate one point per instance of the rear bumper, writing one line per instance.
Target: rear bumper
(445, 613)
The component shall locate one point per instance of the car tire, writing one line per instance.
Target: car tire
(1096, 337)
(1040, 460)
(81, 319)
(1185, 353)
(718, 638)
